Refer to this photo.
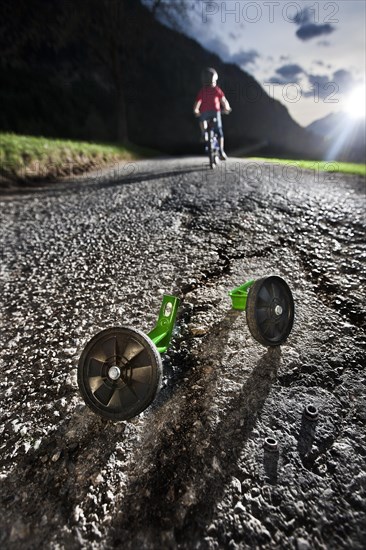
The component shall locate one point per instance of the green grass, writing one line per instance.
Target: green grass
(24, 158)
(322, 166)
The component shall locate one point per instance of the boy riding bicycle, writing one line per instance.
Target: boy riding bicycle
(208, 104)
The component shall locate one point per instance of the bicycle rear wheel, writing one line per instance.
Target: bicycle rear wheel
(210, 149)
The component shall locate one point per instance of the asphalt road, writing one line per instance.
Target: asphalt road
(191, 471)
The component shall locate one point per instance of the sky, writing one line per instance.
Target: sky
(308, 55)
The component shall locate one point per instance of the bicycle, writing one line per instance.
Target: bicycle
(212, 140)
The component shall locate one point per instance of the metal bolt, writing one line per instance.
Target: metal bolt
(114, 373)
(278, 310)
(270, 444)
(311, 412)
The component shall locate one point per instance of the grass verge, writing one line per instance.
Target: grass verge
(28, 158)
(320, 166)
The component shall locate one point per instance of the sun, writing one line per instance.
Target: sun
(356, 102)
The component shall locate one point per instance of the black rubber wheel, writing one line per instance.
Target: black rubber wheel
(211, 150)
(270, 311)
(119, 373)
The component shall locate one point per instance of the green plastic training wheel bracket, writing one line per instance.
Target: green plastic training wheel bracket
(239, 296)
(162, 332)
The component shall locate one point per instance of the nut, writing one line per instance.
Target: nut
(311, 412)
(270, 444)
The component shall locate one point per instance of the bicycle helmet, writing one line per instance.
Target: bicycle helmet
(209, 76)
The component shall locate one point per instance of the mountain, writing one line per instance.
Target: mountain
(65, 91)
(344, 136)
(327, 125)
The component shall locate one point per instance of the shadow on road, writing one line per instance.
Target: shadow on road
(104, 180)
(172, 496)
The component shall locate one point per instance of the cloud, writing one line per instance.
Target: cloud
(304, 16)
(344, 80)
(327, 87)
(287, 74)
(311, 30)
(291, 69)
(308, 27)
(237, 35)
(218, 47)
(320, 86)
(276, 80)
(243, 58)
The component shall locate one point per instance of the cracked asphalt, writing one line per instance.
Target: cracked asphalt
(191, 471)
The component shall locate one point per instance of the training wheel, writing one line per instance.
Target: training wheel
(270, 311)
(119, 373)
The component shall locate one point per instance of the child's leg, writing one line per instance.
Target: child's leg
(203, 127)
(223, 155)
(221, 136)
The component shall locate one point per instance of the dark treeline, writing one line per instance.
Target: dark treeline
(106, 70)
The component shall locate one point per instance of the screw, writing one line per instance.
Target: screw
(311, 412)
